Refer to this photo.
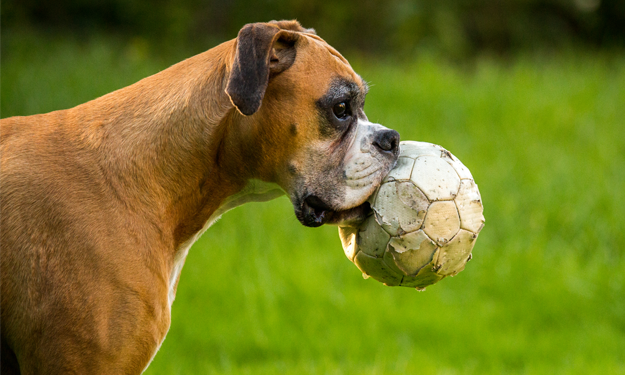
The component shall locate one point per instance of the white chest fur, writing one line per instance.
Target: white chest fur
(254, 191)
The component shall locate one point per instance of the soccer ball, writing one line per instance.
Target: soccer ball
(427, 214)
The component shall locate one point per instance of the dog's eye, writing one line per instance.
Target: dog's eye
(341, 111)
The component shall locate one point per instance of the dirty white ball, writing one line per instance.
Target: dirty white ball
(427, 214)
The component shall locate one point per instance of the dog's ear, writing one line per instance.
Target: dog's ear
(292, 25)
(263, 50)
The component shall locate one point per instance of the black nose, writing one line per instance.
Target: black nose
(387, 140)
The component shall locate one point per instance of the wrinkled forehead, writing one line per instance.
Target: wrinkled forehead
(322, 62)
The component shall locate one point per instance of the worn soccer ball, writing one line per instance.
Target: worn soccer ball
(427, 214)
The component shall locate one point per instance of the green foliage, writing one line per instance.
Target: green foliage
(457, 28)
(544, 294)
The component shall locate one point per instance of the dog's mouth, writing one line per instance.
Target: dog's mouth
(314, 212)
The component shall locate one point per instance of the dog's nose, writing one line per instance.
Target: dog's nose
(387, 140)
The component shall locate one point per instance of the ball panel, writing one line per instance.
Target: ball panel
(427, 276)
(402, 170)
(412, 251)
(372, 239)
(385, 205)
(442, 222)
(410, 241)
(470, 207)
(453, 257)
(414, 149)
(376, 268)
(435, 177)
(390, 262)
(348, 240)
(462, 171)
(412, 197)
(392, 214)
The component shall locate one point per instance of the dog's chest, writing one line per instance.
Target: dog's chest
(181, 256)
(254, 191)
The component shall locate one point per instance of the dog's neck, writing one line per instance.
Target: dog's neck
(167, 161)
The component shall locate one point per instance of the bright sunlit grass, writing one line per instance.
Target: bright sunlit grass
(544, 293)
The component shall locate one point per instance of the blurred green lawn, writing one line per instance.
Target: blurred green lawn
(545, 293)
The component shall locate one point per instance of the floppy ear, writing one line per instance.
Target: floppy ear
(263, 50)
(292, 25)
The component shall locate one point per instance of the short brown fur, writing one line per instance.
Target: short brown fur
(98, 199)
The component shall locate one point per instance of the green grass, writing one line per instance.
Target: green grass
(545, 293)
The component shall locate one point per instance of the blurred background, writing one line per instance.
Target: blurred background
(456, 28)
(529, 94)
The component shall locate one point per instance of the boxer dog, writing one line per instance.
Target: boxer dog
(101, 202)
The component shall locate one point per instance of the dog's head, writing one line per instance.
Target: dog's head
(301, 108)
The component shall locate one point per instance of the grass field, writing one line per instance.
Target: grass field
(545, 293)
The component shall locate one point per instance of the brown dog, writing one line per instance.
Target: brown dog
(101, 202)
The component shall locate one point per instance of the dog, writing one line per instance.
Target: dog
(101, 202)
